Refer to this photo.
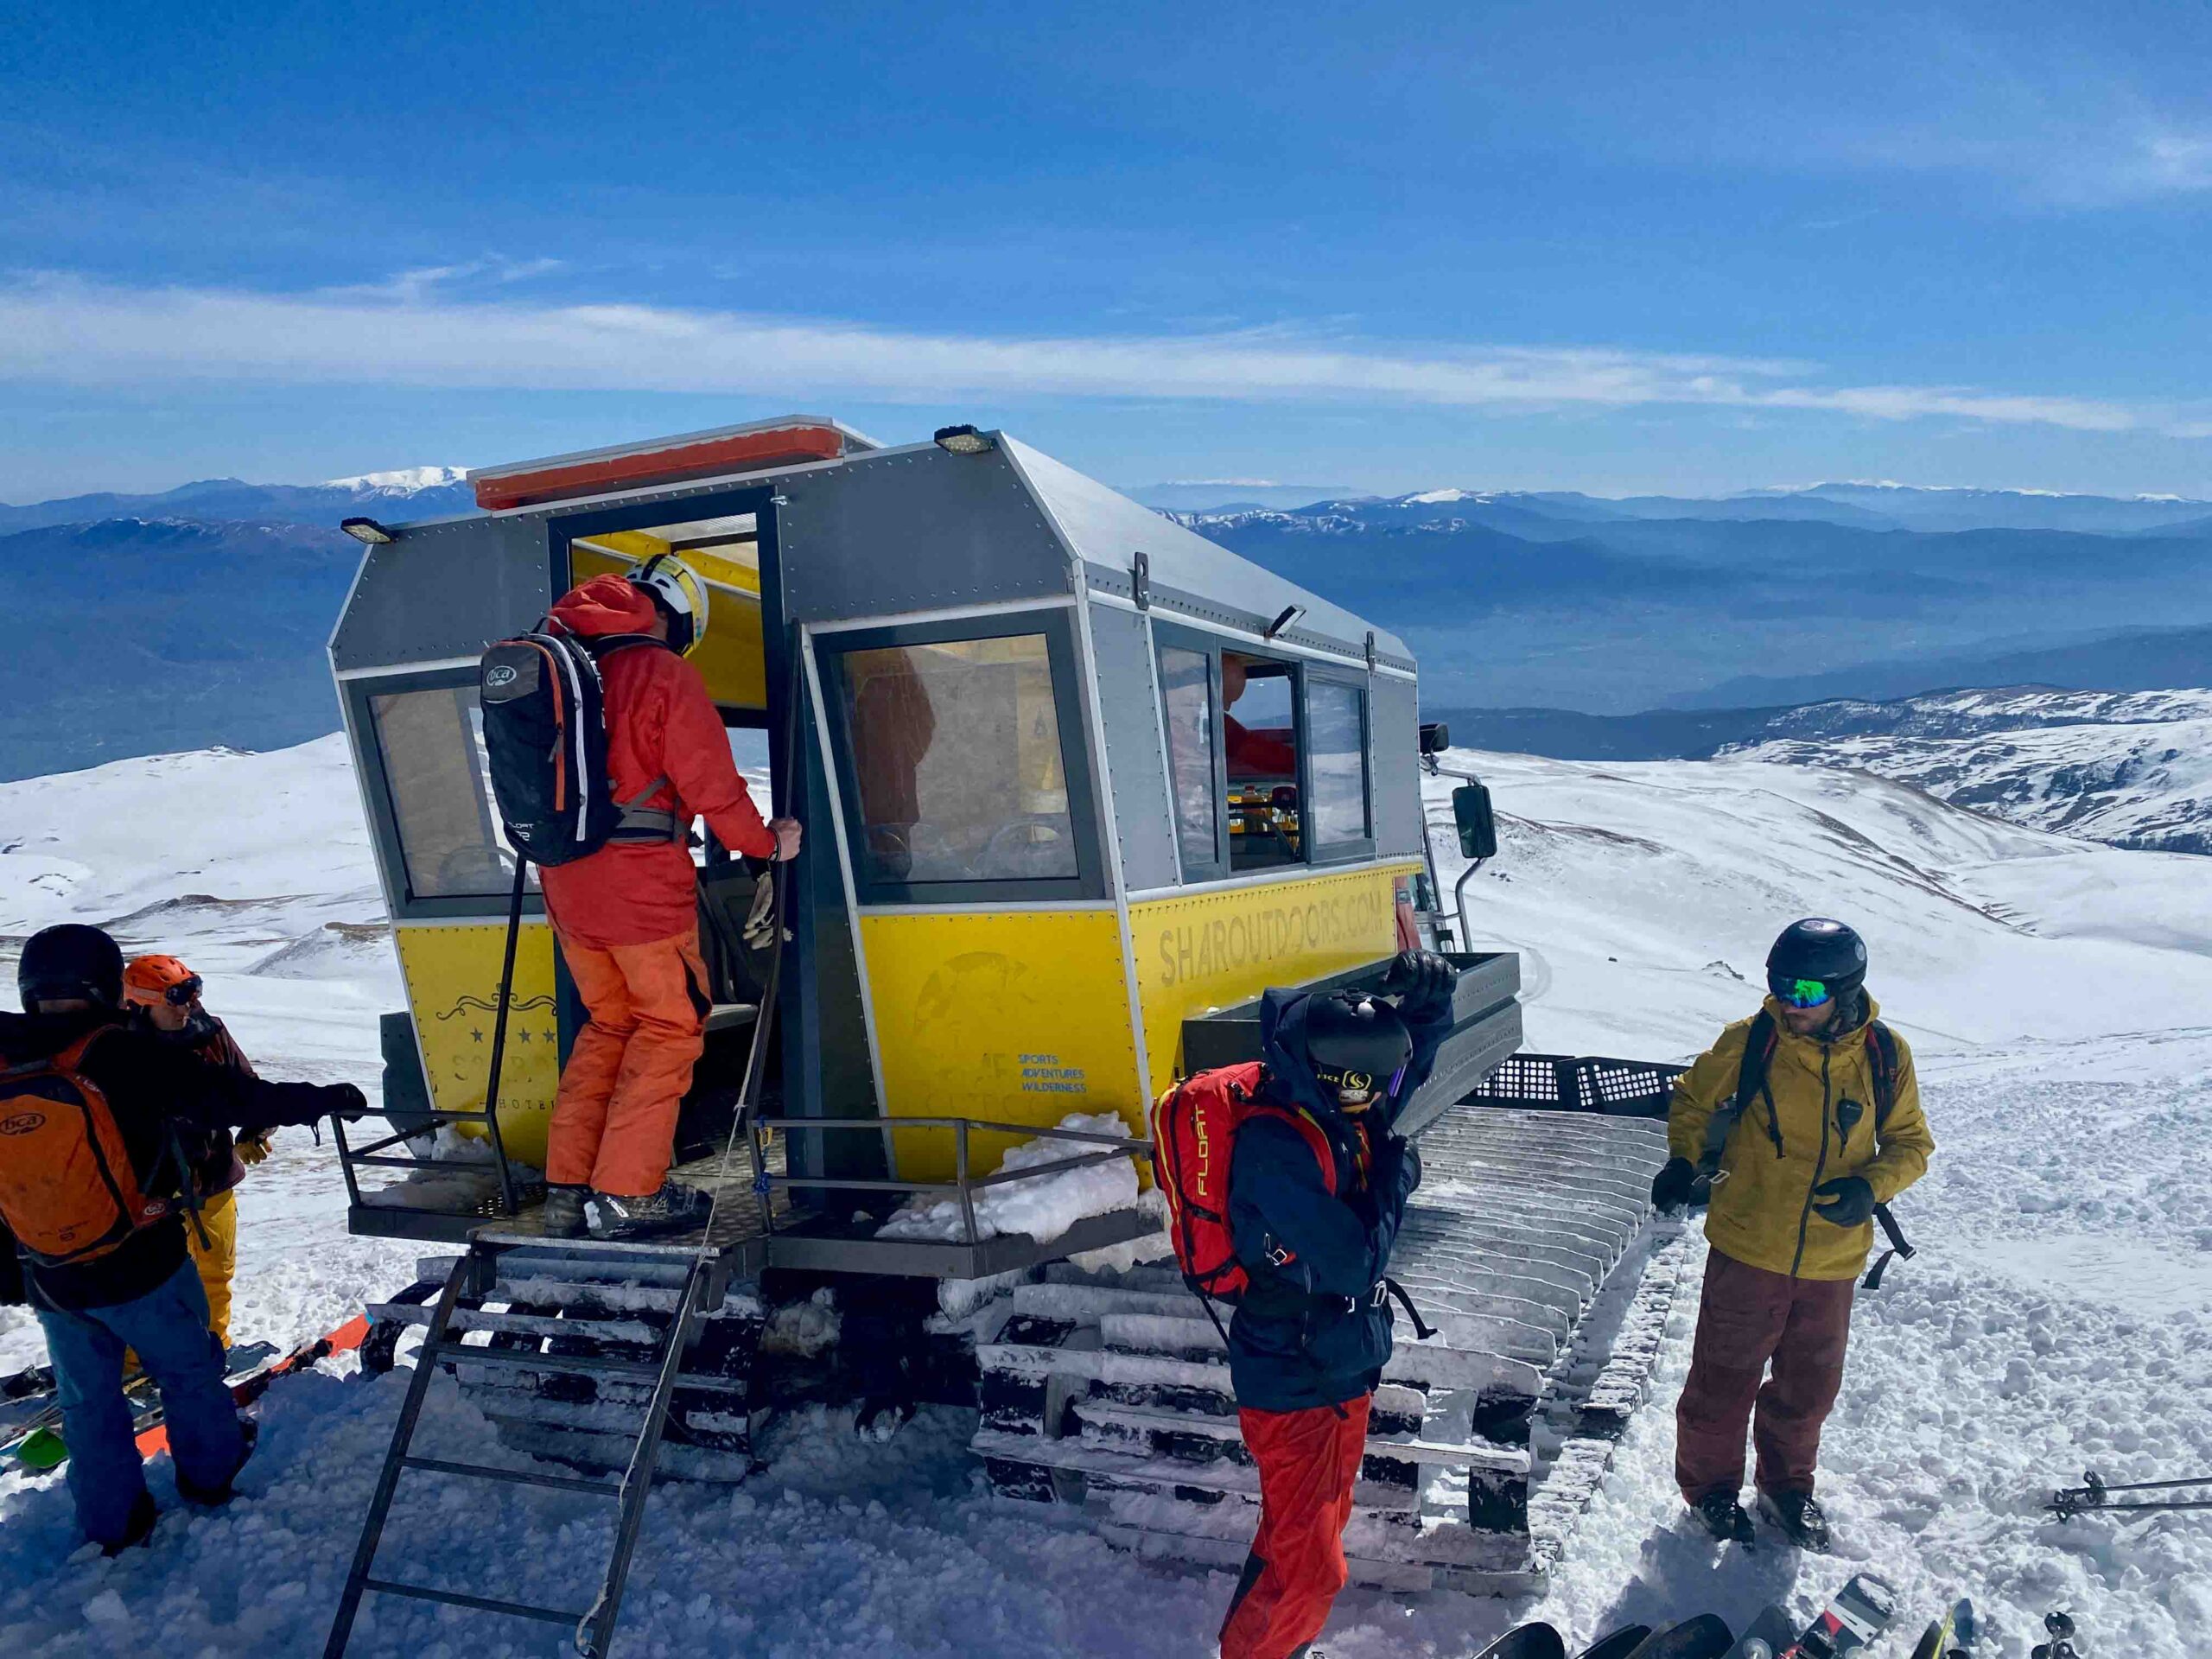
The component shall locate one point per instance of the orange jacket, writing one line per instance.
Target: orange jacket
(660, 723)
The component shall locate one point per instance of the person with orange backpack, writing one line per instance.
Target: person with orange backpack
(1798, 1126)
(97, 1188)
(163, 997)
(1286, 1183)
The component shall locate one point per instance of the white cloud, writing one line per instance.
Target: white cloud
(406, 331)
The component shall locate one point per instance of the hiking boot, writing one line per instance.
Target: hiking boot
(674, 1209)
(212, 1497)
(563, 1215)
(1724, 1517)
(137, 1528)
(1800, 1519)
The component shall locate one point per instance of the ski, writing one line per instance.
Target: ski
(249, 1385)
(1705, 1636)
(1528, 1642)
(1619, 1645)
(2095, 1494)
(1862, 1610)
(1948, 1635)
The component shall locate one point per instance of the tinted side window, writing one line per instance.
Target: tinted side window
(431, 743)
(1336, 741)
(1186, 690)
(1260, 742)
(957, 762)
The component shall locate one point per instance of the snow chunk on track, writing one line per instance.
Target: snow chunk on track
(1045, 1205)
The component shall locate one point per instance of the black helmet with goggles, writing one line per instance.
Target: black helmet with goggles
(1816, 962)
(1356, 1044)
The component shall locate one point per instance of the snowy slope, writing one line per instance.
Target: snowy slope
(2133, 768)
(2057, 1318)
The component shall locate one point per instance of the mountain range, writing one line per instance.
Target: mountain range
(198, 616)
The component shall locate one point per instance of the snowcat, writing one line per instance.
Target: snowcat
(1048, 871)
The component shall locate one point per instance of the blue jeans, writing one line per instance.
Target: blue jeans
(169, 1328)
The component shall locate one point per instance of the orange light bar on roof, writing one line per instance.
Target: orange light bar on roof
(668, 460)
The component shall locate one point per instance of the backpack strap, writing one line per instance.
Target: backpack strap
(1316, 1138)
(1882, 1060)
(1751, 1083)
(641, 823)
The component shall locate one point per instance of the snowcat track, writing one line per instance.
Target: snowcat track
(1530, 1246)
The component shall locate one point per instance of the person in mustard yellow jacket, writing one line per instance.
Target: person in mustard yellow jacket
(1792, 1181)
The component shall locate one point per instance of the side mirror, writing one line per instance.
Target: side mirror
(1435, 737)
(1471, 810)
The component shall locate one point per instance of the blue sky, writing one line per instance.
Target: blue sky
(1690, 248)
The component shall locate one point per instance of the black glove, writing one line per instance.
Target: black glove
(1849, 1201)
(344, 1100)
(1677, 1184)
(1422, 982)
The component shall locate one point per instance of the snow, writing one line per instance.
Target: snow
(1044, 1206)
(403, 480)
(2057, 1318)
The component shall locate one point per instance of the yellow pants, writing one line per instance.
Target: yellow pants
(217, 1259)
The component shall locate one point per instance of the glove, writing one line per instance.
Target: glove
(1678, 1185)
(344, 1100)
(1422, 982)
(252, 1148)
(1849, 1201)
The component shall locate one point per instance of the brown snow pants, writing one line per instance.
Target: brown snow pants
(1747, 1317)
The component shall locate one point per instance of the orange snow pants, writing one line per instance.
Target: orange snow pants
(1747, 1317)
(613, 1124)
(1308, 1462)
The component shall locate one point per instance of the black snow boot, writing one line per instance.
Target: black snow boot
(1800, 1518)
(137, 1528)
(1724, 1517)
(563, 1215)
(675, 1209)
(210, 1497)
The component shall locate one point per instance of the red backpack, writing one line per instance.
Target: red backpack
(1194, 1128)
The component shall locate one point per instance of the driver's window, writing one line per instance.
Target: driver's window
(956, 759)
(437, 778)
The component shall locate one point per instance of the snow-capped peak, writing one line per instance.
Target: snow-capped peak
(405, 480)
(1436, 498)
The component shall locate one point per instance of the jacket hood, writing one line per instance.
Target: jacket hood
(28, 1037)
(1869, 1011)
(605, 605)
(1282, 1046)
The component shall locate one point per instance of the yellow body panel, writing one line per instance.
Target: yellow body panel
(730, 658)
(1208, 951)
(1019, 1016)
(452, 987)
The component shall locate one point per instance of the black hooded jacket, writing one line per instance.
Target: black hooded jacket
(150, 1083)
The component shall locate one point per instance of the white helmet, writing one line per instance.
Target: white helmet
(679, 590)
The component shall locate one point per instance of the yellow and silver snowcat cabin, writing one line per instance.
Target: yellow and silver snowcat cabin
(1077, 785)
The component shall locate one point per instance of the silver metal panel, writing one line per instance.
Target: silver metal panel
(1143, 817)
(912, 529)
(1189, 572)
(1394, 762)
(443, 591)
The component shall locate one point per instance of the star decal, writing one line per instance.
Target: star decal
(475, 1036)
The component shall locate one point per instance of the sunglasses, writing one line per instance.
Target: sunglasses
(1800, 992)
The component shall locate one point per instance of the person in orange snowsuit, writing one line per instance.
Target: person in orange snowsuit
(626, 915)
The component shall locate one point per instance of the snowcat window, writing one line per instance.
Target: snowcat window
(1336, 742)
(1260, 742)
(1193, 758)
(437, 776)
(956, 757)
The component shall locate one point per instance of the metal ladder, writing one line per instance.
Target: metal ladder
(474, 1276)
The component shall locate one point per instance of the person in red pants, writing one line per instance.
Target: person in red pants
(626, 915)
(1793, 1125)
(1316, 1192)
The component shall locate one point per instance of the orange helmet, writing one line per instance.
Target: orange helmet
(148, 980)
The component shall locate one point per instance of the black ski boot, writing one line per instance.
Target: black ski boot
(674, 1209)
(1801, 1520)
(563, 1215)
(213, 1497)
(1724, 1517)
(137, 1528)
